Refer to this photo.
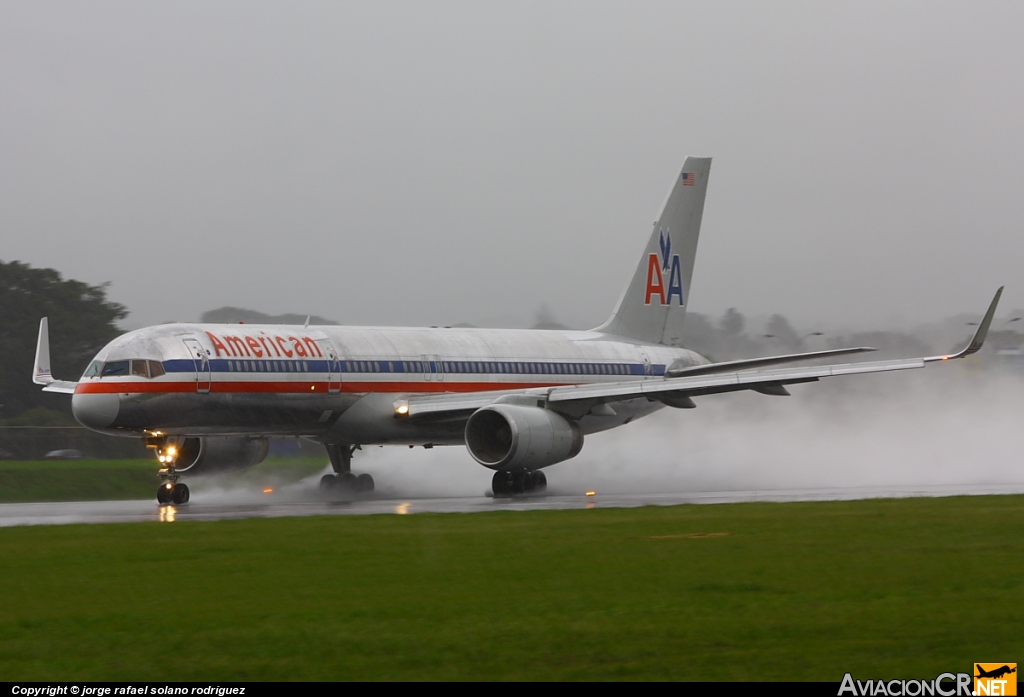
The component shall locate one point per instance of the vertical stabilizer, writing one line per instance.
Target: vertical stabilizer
(652, 307)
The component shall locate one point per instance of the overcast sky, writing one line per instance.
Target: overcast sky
(432, 163)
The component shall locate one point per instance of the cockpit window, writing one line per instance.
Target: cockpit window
(142, 368)
(115, 368)
(94, 369)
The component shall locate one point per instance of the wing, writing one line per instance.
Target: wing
(577, 400)
(747, 363)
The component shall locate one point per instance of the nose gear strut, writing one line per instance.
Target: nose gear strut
(170, 489)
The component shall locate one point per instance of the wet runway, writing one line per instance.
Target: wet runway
(251, 504)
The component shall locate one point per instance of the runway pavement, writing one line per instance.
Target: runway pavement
(225, 505)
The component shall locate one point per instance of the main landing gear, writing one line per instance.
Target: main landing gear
(343, 481)
(512, 482)
(170, 489)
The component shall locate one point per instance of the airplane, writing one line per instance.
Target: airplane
(995, 672)
(206, 397)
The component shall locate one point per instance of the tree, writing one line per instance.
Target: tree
(82, 321)
(545, 319)
(732, 322)
(780, 328)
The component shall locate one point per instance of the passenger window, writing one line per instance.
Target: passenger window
(93, 370)
(115, 368)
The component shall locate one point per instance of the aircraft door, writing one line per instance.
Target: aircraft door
(201, 361)
(647, 363)
(333, 366)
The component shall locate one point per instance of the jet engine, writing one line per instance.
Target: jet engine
(220, 454)
(510, 436)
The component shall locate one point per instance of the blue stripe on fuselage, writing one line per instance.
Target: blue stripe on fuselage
(414, 367)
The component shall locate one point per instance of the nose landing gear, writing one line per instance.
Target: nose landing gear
(170, 489)
(170, 492)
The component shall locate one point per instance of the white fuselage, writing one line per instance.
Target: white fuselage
(340, 384)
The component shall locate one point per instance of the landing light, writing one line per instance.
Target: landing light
(172, 451)
(591, 493)
(268, 491)
(401, 408)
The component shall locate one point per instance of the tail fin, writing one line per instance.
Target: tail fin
(652, 307)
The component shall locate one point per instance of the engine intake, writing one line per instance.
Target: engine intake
(220, 454)
(509, 436)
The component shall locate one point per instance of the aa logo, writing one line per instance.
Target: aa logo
(995, 679)
(660, 267)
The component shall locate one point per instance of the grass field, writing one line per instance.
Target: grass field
(113, 480)
(880, 588)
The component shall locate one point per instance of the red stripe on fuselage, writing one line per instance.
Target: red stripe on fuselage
(225, 387)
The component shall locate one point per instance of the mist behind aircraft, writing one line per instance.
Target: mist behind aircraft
(956, 428)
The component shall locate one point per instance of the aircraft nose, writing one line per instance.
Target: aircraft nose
(95, 411)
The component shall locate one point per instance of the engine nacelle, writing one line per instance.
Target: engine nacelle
(510, 436)
(220, 454)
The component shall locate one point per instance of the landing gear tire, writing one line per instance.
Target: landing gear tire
(164, 493)
(364, 483)
(506, 483)
(522, 482)
(180, 493)
(502, 483)
(347, 482)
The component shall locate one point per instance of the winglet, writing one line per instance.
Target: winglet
(979, 336)
(41, 373)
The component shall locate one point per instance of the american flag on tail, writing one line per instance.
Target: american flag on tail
(689, 178)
